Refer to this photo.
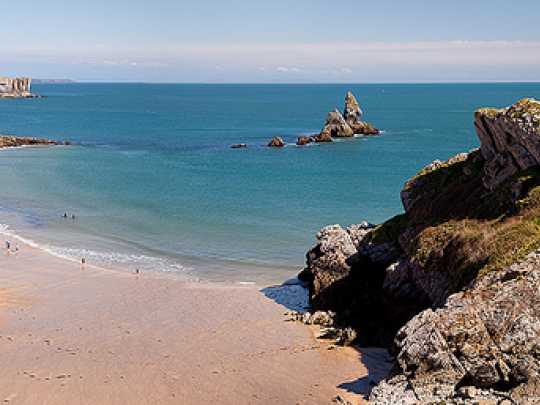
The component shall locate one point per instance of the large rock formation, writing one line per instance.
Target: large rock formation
(483, 343)
(449, 285)
(349, 123)
(18, 87)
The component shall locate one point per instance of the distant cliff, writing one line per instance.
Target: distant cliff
(15, 87)
(452, 286)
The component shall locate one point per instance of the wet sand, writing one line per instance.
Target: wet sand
(96, 336)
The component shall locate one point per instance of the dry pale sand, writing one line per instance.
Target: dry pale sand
(95, 336)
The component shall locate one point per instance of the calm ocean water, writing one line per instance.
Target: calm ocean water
(154, 184)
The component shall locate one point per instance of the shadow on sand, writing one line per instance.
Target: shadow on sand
(378, 364)
(291, 294)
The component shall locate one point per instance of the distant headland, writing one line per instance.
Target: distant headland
(16, 87)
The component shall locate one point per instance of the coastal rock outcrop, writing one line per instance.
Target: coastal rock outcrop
(276, 142)
(451, 285)
(14, 141)
(486, 338)
(18, 87)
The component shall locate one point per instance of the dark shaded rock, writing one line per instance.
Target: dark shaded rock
(239, 145)
(276, 142)
(304, 140)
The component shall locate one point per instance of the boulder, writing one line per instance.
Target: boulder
(276, 142)
(337, 126)
(326, 263)
(304, 140)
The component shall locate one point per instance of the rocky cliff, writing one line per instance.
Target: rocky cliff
(18, 87)
(452, 286)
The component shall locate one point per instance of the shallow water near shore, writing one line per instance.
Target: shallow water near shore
(154, 184)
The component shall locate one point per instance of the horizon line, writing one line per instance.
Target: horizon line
(74, 81)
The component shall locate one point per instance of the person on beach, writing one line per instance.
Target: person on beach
(83, 262)
(137, 271)
(8, 245)
(72, 216)
(65, 215)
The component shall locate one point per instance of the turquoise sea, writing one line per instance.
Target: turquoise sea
(154, 184)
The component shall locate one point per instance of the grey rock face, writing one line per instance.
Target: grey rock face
(487, 337)
(506, 141)
(327, 261)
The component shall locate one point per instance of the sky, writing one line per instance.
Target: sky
(276, 41)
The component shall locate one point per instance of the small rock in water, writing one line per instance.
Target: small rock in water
(304, 140)
(276, 142)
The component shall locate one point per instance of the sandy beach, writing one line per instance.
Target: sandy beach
(96, 336)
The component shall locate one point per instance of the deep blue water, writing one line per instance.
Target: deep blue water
(154, 184)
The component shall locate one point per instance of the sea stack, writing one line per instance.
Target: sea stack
(18, 87)
(348, 124)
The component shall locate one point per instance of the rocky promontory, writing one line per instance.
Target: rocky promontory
(17, 87)
(16, 141)
(452, 285)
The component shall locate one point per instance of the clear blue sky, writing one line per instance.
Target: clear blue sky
(272, 41)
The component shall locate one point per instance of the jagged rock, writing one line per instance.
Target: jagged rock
(239, 145)
(337, 126)
(276, 142)
(324, 136)
(353, 114)
(327, 261)
(509, 138)
(487, 337)
(304, 140)
(341, 336)
(13, 141)
(352, 111)
(358, 232)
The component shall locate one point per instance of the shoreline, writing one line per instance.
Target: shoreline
(122, 338)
